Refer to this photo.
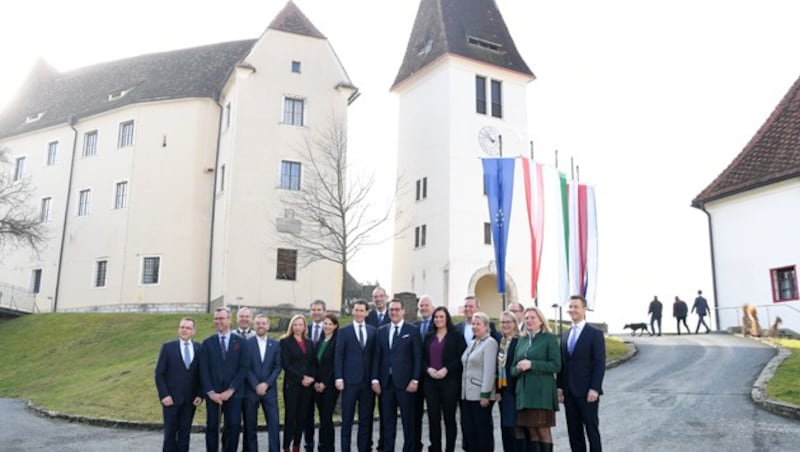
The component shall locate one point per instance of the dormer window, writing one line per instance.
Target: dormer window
(118, 94)
(34, 118)
(484, 44)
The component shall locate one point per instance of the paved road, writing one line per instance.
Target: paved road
(680, 393)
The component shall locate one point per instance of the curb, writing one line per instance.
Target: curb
(759, 392)
(632, 351)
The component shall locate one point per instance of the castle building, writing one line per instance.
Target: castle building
(158, 177)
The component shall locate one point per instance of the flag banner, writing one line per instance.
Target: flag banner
(498, 175)
(591, 248)
(534, 200)
(564, 257)
(582, 233)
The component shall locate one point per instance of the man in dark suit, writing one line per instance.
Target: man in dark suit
(396, 374)
(701, 305)
(655, 315)
(178, 384)
(352, 367)
(263, 368)
(377, 318)
(471, 306)
(316, 314)
(244, 330)
(223, 368)
(580, 381)
(425, 324)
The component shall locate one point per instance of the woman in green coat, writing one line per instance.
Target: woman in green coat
(536, 361)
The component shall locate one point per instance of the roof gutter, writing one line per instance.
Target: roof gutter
(702, 207)
(71, 120)
(214, 205)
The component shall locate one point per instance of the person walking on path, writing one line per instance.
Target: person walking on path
(701, 306)
(680, 310)
(655, 316)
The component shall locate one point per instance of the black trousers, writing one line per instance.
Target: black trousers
(326, 402)
(357, 394)
(231, 410)
(442, 397)
(683, 319)
(655, 320)
(701, 321)
(582, 415)
(477, 429)
(178, 426)
(296, 402)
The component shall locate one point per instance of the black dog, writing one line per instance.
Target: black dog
(637, 326)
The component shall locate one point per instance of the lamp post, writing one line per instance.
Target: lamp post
(558, 306)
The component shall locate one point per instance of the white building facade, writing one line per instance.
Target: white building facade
(753, 208)
(162, 189)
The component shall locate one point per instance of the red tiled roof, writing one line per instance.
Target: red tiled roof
(772, 155)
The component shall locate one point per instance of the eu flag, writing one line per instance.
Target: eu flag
(498, 175)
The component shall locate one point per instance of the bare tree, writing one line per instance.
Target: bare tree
(20, 224)
(333, 217)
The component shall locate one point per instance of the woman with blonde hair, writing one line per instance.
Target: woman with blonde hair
(536, 361)
(297, 360)
(506, 382)
(477, 386)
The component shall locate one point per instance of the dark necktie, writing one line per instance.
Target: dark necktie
(222, 346)
(361, 336)
(380, 318)
(394, 336)
(187, 358)
(316, 333)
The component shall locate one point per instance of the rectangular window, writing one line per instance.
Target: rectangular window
(296, 67)
(227, 115)
(90, 143)
(422, 188)
(100, 270)
(497, 99)
(419, 236)
(19, 168)
(290, 175)
(784, 283)
(36, 280)
(480, 94)
(221, 178)
(287, 265)
(487, 233)
(125, 135)
(151, 268)
(44, 212)
(52, 150)
(83, 202)
(121, 195)
(293, 111)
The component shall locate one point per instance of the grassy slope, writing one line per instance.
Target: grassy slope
(99, 365)
(783, 386)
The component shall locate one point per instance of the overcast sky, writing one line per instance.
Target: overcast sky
(652, 99)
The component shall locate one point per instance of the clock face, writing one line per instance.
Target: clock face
(489, 140)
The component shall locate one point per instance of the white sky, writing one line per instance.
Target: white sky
(651, 98)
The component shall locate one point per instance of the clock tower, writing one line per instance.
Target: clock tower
(462, 92)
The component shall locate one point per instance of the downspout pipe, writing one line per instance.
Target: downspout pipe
(702, 207)
(72, 121)
(214, 204)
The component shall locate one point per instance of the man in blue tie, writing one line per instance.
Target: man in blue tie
(178, 384)
(424, 311)
(580, 381)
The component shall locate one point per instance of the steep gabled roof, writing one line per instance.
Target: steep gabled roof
(772, 155)
(194, 72)
(292, 20)
(470, 28)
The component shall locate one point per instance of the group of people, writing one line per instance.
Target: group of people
(680, 310)
(451, 369)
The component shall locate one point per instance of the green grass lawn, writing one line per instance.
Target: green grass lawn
(783, 386)
(101, 365)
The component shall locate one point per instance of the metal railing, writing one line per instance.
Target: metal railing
(18, 299)
(772, 309)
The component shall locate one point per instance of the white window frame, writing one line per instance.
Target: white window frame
(289, 178)
(44, 209)
(116, 201)
(126, 139)
(221, 179)
(96, 273)
(227, 117)
(19, 167)
(84, 205)
(86, 141)
(290, 118)
(160, 274)
(52, 153)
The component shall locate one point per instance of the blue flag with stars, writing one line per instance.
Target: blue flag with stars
(498, 176)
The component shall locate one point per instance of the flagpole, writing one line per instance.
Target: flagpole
(503, 294)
